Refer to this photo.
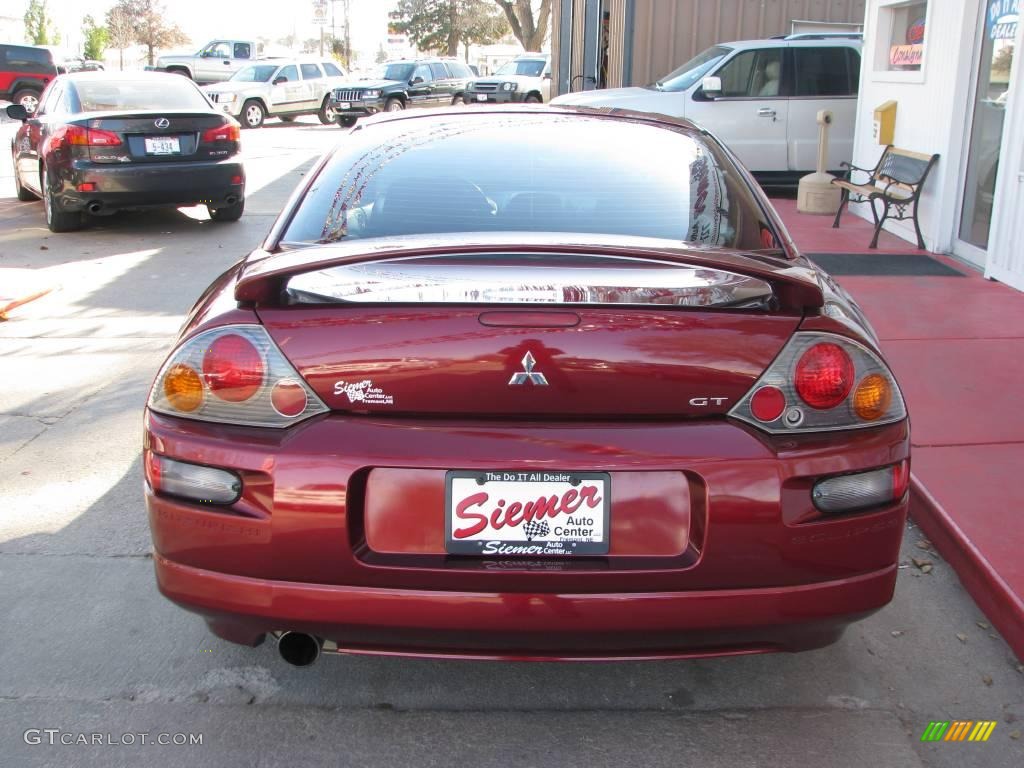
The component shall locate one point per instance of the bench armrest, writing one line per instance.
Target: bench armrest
(851, 169)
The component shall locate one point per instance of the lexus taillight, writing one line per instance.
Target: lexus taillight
(91, 137)
(228, 132)
(821, 382)
(233, 375)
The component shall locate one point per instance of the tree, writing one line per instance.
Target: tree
(120, 29)
(382, 55)
(95, 39)
(440, 25)
(149, 27)
(38, 24)
(530, 32)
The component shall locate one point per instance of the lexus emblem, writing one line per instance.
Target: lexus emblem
(162, 122)
(528, 375)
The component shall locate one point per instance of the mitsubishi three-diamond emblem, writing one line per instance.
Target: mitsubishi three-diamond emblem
(528, 374)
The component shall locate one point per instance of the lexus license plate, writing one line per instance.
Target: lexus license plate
(163, 145)
(545, 512)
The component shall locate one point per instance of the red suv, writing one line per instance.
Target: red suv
(24, 73)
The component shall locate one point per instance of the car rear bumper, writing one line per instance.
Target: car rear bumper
(738, 561)
(215, 183)
(525, 625)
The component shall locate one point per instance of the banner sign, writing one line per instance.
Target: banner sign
(1001, 19)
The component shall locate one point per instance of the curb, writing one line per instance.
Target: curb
(990, 592)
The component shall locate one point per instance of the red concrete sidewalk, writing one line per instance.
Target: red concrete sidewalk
(956, 345)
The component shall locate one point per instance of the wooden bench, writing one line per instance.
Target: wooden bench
(896, 181)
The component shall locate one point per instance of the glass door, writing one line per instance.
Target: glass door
(986, 138)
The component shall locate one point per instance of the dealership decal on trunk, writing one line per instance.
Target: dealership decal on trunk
(527, 513)
(363, 392)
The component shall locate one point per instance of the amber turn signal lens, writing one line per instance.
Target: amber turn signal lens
(873, 397)
(183, 388)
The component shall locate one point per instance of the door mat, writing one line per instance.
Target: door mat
(883, 264)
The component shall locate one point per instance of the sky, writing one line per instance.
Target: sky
(205, 20)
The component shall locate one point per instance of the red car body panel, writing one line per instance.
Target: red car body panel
(715, 544)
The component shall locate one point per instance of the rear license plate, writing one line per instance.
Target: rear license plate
(343, 105)
(481, 97)
(163, 145)
(530, 513)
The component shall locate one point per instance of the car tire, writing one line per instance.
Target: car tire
(346, 122)
(28, 98)
(56, 219)
(533, 98)
(459, 100)
(24, 194)
(394, 104)
(253, 114)
(227, 212)
(326, 113)
(287, 118)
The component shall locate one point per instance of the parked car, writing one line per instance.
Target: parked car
(761, 97)
(284, 88)
(102, 142)
(215, 62)
(399, 85)
(24, 72)
(593, 405)
(526, 78)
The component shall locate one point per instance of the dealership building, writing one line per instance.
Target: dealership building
(945, 68)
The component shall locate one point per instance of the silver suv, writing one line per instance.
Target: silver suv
(284, 88)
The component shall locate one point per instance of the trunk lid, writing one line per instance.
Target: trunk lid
(514, 335)
(156, 137)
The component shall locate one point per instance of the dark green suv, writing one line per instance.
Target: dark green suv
(400, 85)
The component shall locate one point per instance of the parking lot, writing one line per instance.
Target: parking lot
(89, 646)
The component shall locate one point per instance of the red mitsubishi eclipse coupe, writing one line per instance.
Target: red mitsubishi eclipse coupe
(527, 383)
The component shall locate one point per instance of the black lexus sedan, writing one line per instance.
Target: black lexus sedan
(101, 142)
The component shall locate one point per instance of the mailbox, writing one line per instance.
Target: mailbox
(884, 127)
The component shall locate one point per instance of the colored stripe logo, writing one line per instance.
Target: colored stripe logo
(958, 730)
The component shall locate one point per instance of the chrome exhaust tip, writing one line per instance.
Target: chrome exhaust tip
(298, 648)
(95, 206)
(231, 199)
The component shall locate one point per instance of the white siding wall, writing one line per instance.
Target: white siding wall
(933, 112)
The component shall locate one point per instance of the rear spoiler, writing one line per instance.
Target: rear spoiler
(263, 278)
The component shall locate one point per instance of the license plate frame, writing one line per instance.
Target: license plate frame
(155, 145)
(531, 486)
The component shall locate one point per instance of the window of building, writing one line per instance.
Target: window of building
(901, 36)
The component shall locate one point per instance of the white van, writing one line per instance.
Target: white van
(759, 97)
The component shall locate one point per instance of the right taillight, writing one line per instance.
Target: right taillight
(821, 382)
(230, 131)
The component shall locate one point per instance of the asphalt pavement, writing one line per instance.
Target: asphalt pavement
(89, 647)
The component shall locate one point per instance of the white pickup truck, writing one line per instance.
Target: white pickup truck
(215, 62)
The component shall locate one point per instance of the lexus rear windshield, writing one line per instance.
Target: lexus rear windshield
(139, 95)
(529, 173)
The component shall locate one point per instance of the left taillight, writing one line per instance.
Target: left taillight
(822, 382)
(233, 375)
(229, 131)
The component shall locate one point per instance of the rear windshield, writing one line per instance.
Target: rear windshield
(139, 95)
(529, 173)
